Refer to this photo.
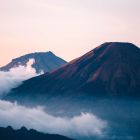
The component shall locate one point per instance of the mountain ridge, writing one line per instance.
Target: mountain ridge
(9, 133)
(111, 70)
(43, 62)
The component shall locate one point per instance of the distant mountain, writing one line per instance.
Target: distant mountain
(110, 70)
(23, 134)
(43, 62)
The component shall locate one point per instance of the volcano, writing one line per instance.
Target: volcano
(42, 62)
(110, 70)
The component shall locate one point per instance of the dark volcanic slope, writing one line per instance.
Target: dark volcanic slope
(112, 69)
(44, 61)
(24, 134)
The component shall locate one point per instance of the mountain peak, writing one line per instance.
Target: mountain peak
(116, 46)
(43, 62)
(111, 69)
(50, 52)
(38, 53)
(121, 44)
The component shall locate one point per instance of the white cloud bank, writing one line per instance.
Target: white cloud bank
(15, 77)
(12, 114)
(17, 116)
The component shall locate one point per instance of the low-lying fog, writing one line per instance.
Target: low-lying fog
(107, 120)
(15, 77)
(12, 114)
(104, 119)
(84, 125)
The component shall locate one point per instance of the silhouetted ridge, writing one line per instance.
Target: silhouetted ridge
(23, 134)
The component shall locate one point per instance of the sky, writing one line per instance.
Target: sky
(69, 28)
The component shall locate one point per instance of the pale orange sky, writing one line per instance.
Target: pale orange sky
(69, 28)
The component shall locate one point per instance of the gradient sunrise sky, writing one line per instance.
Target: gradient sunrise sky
(69, 28)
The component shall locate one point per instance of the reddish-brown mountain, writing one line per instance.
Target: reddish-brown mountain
(112, 69)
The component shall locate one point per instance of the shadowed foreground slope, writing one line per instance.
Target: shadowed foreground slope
(24, 134)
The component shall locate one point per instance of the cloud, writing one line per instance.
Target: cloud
(15, 77)
(84, 125)
(12, 114)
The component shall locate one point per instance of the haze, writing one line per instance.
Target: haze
(69, 28)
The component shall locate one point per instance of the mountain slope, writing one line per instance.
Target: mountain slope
(24, 134)
(43, 62)
(112, 69)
